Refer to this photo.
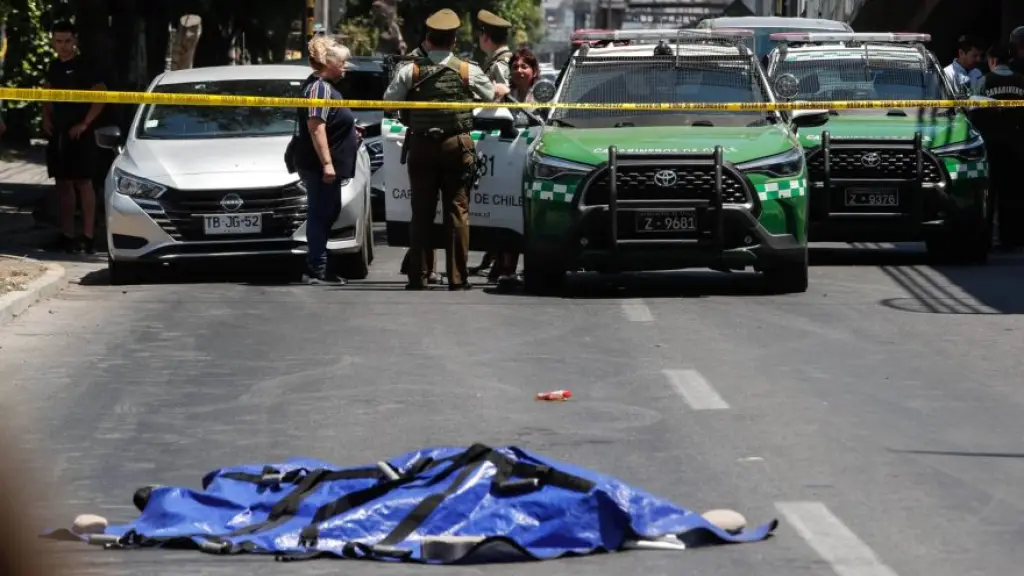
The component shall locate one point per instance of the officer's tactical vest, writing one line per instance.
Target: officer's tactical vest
(1004, 87)
(440, 83)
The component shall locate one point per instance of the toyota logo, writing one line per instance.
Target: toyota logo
(666, 178)
(871, 159)
(231, 202)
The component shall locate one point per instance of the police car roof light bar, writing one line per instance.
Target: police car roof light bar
(909, 37)
(657, 34)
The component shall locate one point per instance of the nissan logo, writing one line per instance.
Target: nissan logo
(231, 202)
(871, 159)
(666, 178)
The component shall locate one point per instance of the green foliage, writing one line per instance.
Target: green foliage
(359, 35)
(28, 52)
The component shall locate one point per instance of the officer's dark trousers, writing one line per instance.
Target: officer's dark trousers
(1006, 191)
(445, 166)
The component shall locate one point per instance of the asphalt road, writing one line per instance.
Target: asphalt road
(878, 416)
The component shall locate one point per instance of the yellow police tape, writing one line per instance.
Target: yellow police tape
(106, 97)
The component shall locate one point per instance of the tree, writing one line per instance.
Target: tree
(26, 62)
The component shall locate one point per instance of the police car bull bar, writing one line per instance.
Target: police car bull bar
(658, 34)
(707, 209)
(873, 151)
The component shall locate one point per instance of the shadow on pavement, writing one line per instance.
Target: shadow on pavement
(1012, 455)
(992, 289)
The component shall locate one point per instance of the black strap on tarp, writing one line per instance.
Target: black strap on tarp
(511, 478)
(272, 476)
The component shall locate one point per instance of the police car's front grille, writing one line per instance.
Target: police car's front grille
(849, 163)
(179, 212)
(638, 183)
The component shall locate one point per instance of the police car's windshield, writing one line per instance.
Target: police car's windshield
(202, 122)
(656, 80)
(823, 76)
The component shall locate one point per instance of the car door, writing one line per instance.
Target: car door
(495, 201)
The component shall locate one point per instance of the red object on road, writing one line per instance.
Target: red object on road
(554, 396)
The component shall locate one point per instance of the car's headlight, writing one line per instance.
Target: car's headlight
(973, 149)
(136, 187)
(548, 168)
(789, 163)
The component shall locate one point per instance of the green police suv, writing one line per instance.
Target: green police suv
(647, 189)
(881, 174)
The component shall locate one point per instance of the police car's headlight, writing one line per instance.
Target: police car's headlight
(973, 149)
(789, 163)
(136, 187)
(543, 167)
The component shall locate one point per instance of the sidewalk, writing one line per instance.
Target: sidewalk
(24, 188)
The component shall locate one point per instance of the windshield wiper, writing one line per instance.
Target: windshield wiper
(624, 124)
(560, 122)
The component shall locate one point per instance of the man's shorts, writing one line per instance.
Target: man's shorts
(68, 159)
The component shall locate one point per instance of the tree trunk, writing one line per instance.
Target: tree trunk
(186, 37)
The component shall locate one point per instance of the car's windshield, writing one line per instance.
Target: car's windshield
(821, 76)
(201, 122)
(660, 79)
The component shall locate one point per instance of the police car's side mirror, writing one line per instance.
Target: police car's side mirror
(544, 91)
(808, 118)
(491, 119)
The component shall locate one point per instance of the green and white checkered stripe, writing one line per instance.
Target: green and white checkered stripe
(546, 190)
(389, 126)
(775, 189)
(966, 170)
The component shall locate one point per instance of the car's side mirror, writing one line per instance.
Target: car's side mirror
(108, 137)
(500, 119)
(808, 118)
(544, 91)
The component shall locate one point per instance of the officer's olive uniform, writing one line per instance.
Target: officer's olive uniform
(440, 150)
(1001, 128)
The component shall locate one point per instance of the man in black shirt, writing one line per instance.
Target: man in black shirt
(71, 153)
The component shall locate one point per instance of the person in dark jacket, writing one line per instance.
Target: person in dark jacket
(1000, 127)
(325, 153)
(1017, 50)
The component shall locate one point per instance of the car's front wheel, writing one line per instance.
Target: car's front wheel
(124, 273)
(356, 266)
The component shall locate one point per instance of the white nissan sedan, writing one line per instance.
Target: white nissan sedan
(210, 182)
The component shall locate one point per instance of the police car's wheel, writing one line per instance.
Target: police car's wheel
(788, 277)
(962, 243)
(542, 276)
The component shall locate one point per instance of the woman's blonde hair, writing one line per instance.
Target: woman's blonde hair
(324, 50)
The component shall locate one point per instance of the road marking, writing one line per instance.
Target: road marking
(695, 390)
(636, 311)
(832, 540)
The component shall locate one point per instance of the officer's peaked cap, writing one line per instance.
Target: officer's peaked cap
(1017, 36)
(444, 21)
(488, 18)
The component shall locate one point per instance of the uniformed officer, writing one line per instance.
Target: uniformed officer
(493, 38)
(1017, 50)
(441, 154)
(1001, 129)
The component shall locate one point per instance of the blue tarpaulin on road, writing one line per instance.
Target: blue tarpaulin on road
(437, 505)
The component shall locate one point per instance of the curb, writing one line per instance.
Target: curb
(50, 283)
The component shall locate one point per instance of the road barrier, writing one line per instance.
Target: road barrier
(107, 97)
